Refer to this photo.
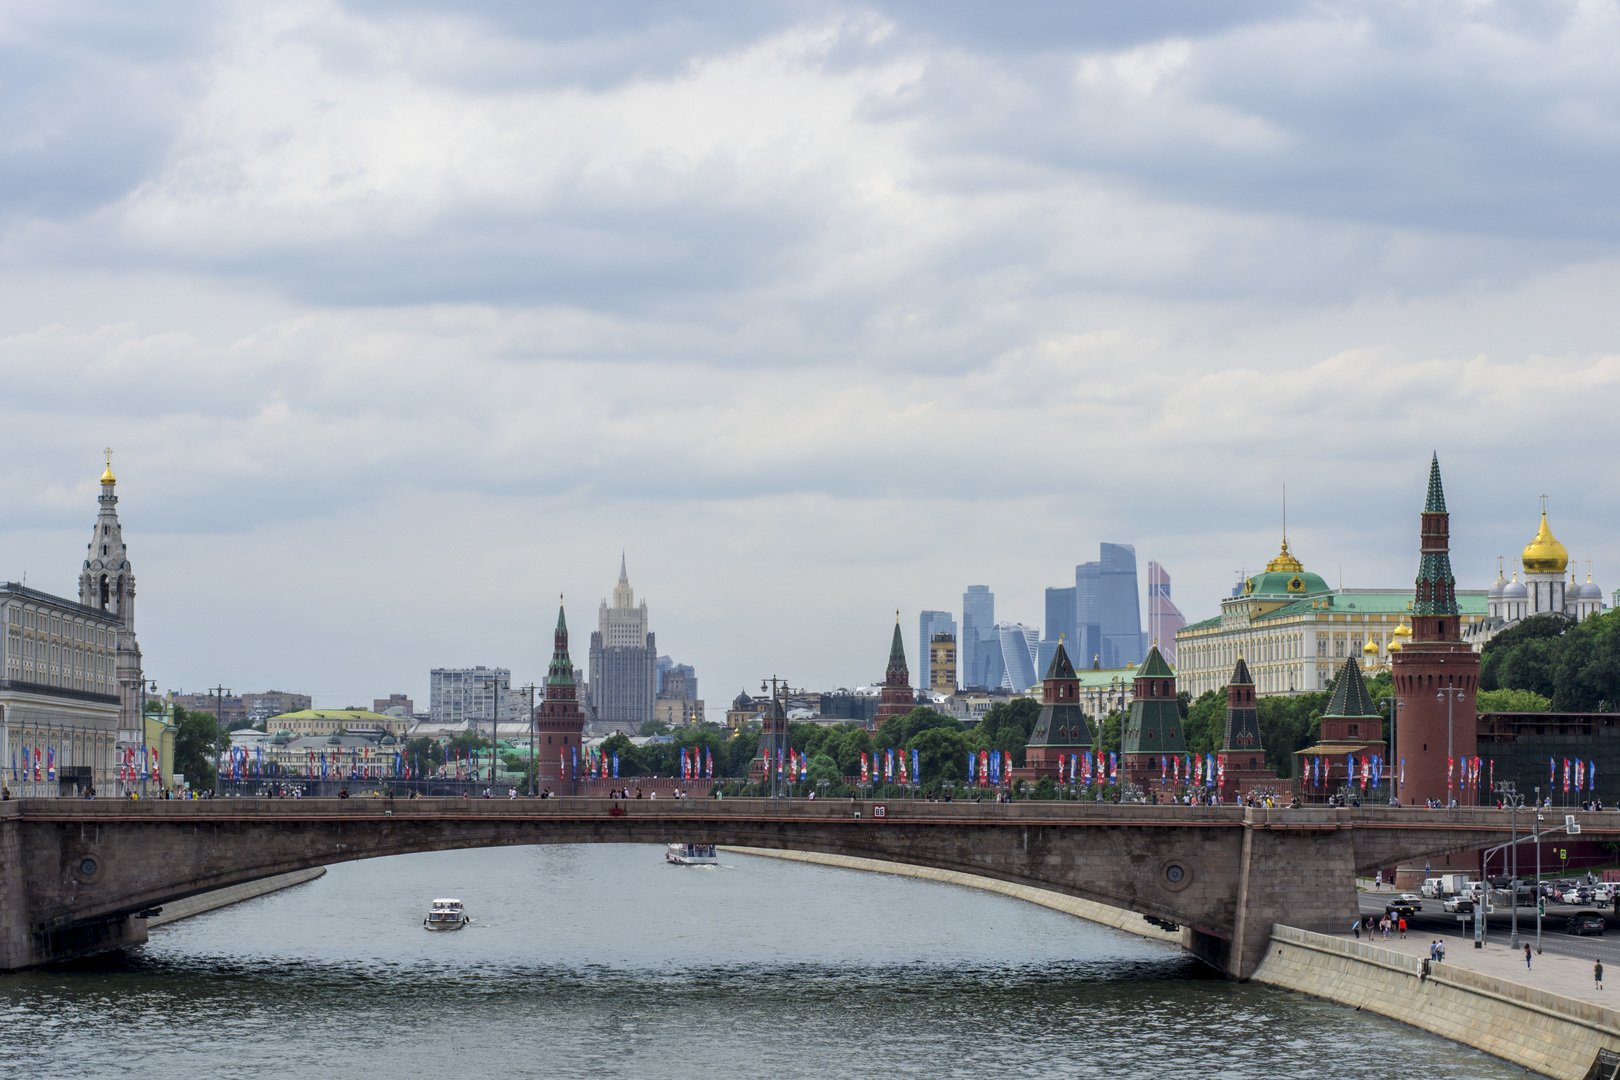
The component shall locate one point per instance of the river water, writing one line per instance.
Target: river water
(601, 961)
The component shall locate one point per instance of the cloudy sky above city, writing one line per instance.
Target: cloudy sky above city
(405, 317)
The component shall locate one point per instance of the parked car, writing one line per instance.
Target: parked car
(1459, 903)
(1585, 922)
(1580, 895)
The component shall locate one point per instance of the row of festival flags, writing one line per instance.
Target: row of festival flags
(1368, 768)
(891, 767)
(38, 763)
(1583, 772)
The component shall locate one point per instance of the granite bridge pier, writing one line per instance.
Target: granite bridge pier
(76, 875)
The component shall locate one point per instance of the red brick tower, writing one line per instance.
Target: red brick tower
(896, 697)
(561, 725)
(1436, 675)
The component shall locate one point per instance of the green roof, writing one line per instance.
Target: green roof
(1368, 602)
(1350, 697)
(1060, 668)
(1274, 583)
(331, 714)
(1154, 666)
(1435, 502)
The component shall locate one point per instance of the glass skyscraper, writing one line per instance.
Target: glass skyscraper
(978, 647)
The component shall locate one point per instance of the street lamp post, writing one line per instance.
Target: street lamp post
(534, 768)
(146, 756)
(1450, 695)
(1391, 766)
(219, 693)
(1512, 800)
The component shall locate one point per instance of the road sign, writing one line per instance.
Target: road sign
(1571, 826)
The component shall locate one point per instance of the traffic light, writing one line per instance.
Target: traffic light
(1541, 906)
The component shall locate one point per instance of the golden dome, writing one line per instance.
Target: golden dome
(1544, 554)
(1402, 631)
(107, 476)
(1284, 563)
(1371, 648)
(1395, 646)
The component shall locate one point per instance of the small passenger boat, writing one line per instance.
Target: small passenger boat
(446, 914)
(692, 855)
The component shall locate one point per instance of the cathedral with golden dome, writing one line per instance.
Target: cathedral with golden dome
(1548, 587)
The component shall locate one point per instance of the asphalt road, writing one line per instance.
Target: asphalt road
(1435, 922)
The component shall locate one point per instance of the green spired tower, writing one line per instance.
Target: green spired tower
(1153, 727)
(1061, 729)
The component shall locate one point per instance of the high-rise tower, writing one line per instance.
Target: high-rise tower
(107, 583)
(624, 661)
(1436, 674)
(930, 623)
(560, 724)
(979, 649)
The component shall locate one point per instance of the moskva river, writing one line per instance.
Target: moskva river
(602, 961)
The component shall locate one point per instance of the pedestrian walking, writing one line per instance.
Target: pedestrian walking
(1527, 956)
(1355, 928)
(1378, 880)
(1597, 973)
(1402, 925)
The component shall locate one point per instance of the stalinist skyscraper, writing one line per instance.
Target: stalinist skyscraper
(624, 661)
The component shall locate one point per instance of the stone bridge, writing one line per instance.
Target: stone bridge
(75, 875)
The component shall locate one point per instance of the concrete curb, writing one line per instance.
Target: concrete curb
(213, 901)
(1116, 918)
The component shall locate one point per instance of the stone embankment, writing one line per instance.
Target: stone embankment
(1549, 1018)
(212, 901)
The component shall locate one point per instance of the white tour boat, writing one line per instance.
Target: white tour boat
(692, 855)
(446, 914)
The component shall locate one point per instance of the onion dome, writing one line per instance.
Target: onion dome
(1371, 648)
(1515, 589)
(1403, 631)
(1590, 591)
(107, 476)
(1495, 591)
(1395, 645)
(1544, 554)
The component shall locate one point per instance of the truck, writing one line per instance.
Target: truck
(1444, 885)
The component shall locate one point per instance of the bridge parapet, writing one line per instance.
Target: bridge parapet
(75, 871)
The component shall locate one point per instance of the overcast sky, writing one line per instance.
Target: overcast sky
(405, 317)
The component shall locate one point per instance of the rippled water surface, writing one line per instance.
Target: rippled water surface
(604, 962)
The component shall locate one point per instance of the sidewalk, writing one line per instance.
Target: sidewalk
(1568, 976)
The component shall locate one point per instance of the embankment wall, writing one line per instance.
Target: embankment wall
(1544, 1032)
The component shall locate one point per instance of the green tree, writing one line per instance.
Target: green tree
(1587, 669)
(196, 741)
(1520, 657)
(942, 754)
(1205, 723)
(423, 755)
(1007, 724)
(1490, 701)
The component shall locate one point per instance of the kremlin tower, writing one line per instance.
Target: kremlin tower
(895, 697)
(560, 725)
(1436, 674)
(1061, 730)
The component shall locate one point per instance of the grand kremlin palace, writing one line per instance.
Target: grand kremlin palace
(1294, 632)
